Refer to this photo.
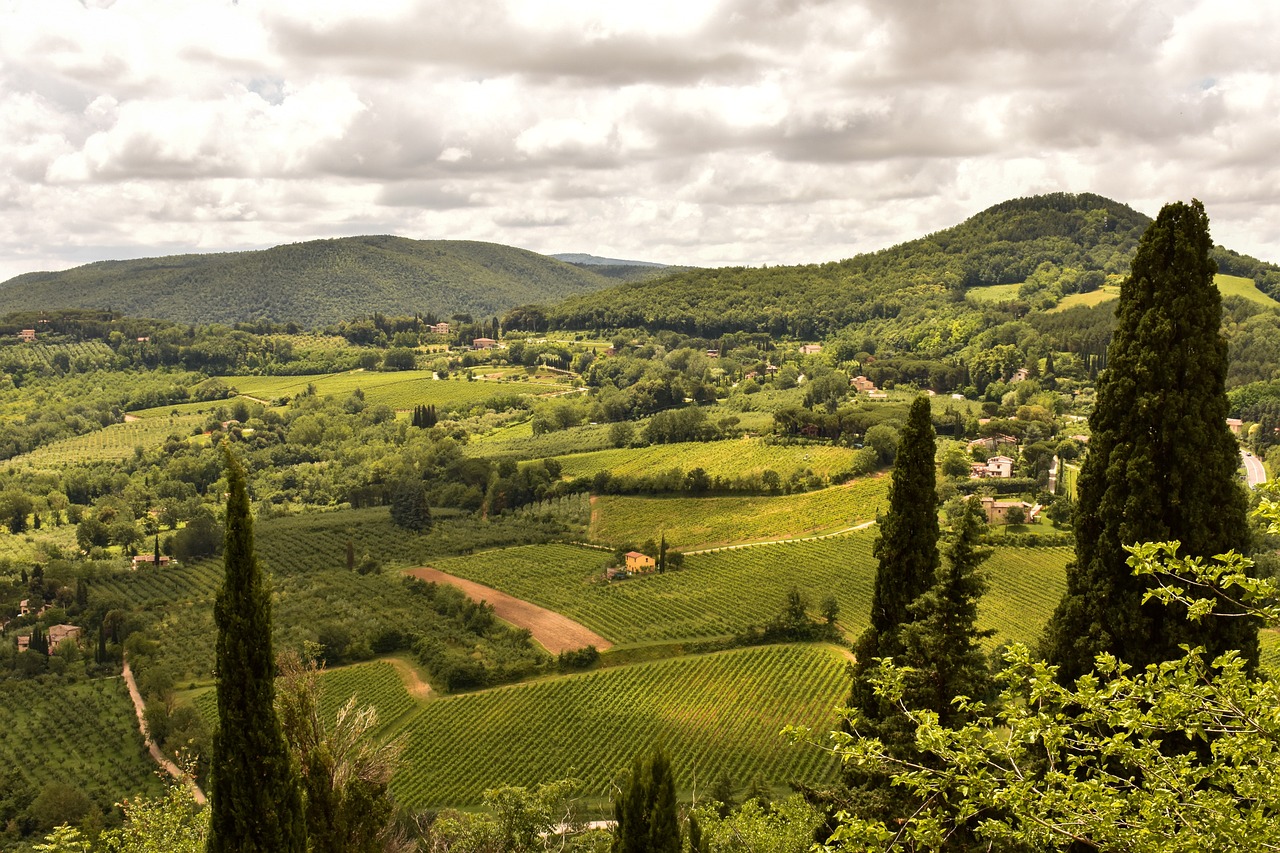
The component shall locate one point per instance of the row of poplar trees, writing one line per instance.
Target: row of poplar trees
(1162, 466)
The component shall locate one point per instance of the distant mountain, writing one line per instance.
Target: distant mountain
(584, 260)
(1053, 245)
(311, 283)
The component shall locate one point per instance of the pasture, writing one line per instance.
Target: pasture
(737, 458)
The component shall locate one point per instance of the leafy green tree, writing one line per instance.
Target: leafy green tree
(1161, 462)
(1037, 767)
(645, 808)
(409, 506)
(345, 774)
(255, 801)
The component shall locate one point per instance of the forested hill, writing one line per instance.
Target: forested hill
(312, 283)
(1059, 244)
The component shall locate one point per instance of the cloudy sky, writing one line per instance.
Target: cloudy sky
(689, 131)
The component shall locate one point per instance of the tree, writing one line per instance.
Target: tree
(255, 801)
(345, 774)
(409, 506)
(1161, 462)
(907, 547)
(1037, 768)
(645, 808)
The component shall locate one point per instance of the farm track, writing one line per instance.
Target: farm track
(161, 759)
(555, 632)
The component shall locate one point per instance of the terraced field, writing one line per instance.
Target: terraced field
(734, 458)
(400, 390)
(726, 591)
(714, 713)
(691, 523)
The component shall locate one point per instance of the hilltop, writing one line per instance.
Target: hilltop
(1038, 250)
(311, 283)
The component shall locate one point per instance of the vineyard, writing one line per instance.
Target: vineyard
(729, 590)
(738, 458)
(690, 523)
(93, 353)
(113, 442)
(520, 442)
(83, 733)
(399, 390)
(715, 714)
(31, 546)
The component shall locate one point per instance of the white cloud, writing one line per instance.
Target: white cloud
(724, 131)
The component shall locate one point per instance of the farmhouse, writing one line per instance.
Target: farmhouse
(1235, 425)
(58, 633)
(811, 349)
(638, 563)
(27, 336)
(440, 329)
(996, 466)
(998, 511)
(484, 343)
(862, 383)
(149, 559)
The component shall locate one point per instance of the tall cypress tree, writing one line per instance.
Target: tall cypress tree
(645, 808)
(1161, 462)
(907, 548)
(256, 804)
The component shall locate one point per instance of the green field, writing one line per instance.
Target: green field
(83, 733)
(690, 523)
(1087, 300)
(729, 590)
(113, 442)
(1234, 285)
(994, 292)
(399, 390)
(714, 713)
(518, 441)
(730, 459)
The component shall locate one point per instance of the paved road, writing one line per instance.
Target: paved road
(1255, 474)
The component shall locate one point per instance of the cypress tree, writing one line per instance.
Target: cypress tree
(907, 547)
(645, 808)
(1161, 463)
(255, 799)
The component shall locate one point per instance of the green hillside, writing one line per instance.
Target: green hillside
(312, 283)
(1038, 249)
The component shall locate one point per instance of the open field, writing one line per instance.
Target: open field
(691, 523)
(714, 713)
(994, 292)
(1234, 285)
(113, 442)
(399, 390)
(519, 441)
(82, 733)
(734, 458)
(727, 591)
(1094, 297)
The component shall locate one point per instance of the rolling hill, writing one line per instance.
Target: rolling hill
(312, 283)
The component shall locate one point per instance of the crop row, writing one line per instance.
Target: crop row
(715, 714)
(730, 459)
(82, 733)
(690, 523)
(727, 591)
(42, 354)
(113, 442)
(402, 390)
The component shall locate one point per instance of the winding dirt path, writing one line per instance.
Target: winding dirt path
(413, 682)
(555, 632)
(160, 758)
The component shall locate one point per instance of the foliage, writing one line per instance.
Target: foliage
(1088, 766)
(256, 804)
(644, 807)
(1161, 463)
(785, 826)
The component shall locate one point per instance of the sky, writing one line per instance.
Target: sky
(733, 132)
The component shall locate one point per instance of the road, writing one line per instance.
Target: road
(1255, 474)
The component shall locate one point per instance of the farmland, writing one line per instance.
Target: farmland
(735, 458)
(690, 523)
(80, 732)
(729, 590)
(117, 441)
(399, 390)
(714, 713)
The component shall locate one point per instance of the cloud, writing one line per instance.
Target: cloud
(730, 131)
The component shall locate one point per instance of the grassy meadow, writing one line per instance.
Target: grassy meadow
(742, 457)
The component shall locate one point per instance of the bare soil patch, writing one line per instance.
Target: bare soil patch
(553, 631)
(413, 682)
